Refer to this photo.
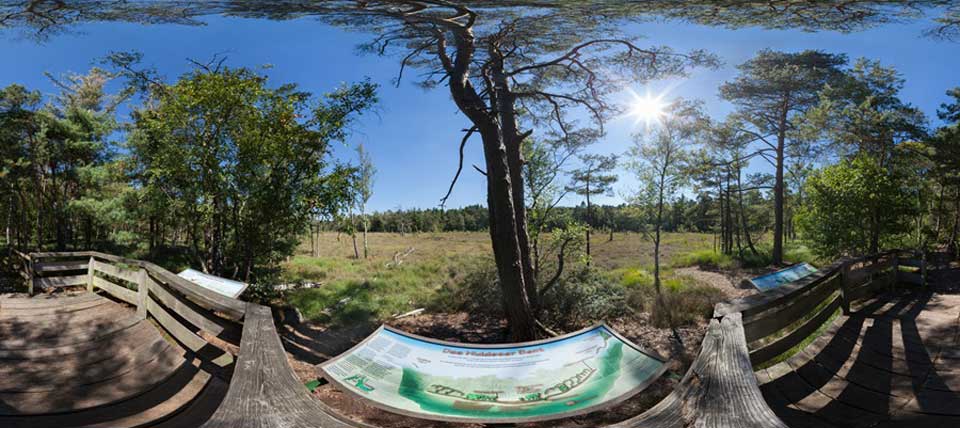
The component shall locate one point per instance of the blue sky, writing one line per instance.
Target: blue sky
(414, 136)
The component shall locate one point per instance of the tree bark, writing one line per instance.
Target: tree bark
(366, 248)
(743, 215)
(356, 250)
(507, 218)
(505, 102)
(589, 221)
(778, 189)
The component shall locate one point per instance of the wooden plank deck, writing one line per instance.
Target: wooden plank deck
(889, 364)
(85, 360)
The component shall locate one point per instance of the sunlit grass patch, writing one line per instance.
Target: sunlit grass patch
(705, 258)
(367, 290)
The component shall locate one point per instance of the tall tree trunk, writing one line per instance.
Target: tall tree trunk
(875, 231)
(8, 228)
(956, 223)
(939, 213)
(356, 250)
(778, 190)
(589, 221)
(505, 102)
(507, 217)
(366, 247)
(743, 216)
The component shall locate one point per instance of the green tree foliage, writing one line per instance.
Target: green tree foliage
(244, 166)
(728, 150)
(543, 166)
(53, 154)
(862, 115)
(660, 163)
(364, 191)
(772, 92)
(841, 196)
(944, 155)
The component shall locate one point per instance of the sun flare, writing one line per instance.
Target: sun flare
(646, 109)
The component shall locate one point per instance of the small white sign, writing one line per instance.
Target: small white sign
(226, 287)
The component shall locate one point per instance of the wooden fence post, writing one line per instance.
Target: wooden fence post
(923, 268)
(893, 272)
(90, 264)
(845, 286)
(142, 293)
(30, 274)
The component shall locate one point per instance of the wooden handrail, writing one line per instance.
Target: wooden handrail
(719, 389)
(209, 299)
(264, 391)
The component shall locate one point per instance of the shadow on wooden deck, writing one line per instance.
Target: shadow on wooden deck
(894, 362)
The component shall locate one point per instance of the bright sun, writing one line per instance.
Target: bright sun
(647, 109)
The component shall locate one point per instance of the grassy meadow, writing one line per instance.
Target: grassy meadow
(435, 269)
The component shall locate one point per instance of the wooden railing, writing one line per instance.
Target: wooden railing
(719, 390)
(778, 320)
(24, 267)
(263, 392)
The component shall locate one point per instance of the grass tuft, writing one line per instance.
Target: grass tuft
(707, 259)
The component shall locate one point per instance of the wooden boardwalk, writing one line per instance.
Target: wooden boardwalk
(86, 360)
(141, 347)
(893, 362)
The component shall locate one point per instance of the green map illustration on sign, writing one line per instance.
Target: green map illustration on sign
(570, 375)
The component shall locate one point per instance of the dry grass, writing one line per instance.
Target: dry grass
(625, 251)
(376, 288)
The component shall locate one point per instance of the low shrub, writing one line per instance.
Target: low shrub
(751, 260)
(580, 298)
(636, 277)
(475, 290)
(799, 253)
(707, 259)
(685, 301)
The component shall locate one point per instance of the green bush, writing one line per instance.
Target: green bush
(476, 291)
(707, 259)
(763, 258)
(582, 297)
(799, 253)
(685, 301)
(636, 278)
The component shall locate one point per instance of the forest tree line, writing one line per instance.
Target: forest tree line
(219, 167)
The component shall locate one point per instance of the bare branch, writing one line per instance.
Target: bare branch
(463, 143)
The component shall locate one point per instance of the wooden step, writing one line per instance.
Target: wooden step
(116, 341)
(40, 301)
(15, 312)
(82, 369)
